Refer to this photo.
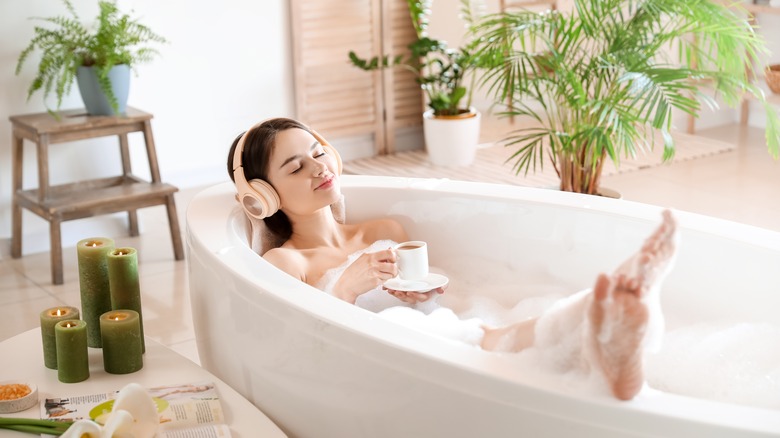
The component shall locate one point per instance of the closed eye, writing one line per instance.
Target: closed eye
(316, 155)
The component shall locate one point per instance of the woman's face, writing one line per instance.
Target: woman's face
(302, 173)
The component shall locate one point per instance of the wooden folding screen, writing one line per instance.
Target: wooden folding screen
(338, 99)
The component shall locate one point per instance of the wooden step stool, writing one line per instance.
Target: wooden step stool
(86, 198)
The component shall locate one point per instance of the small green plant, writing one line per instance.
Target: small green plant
(438, 69)
(118, 39)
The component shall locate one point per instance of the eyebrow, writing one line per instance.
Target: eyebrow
(296, 156)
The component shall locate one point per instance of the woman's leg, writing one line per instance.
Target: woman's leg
(619, 314)
(615, 310)
(511, 338)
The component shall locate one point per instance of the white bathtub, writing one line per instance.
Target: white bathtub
(320, 367)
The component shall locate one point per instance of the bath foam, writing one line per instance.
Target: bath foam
(733, 363)
(736, 363)
(440, 321)
(482, 293)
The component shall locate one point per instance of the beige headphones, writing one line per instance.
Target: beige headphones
(258, 197)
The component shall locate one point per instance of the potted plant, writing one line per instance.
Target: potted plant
(451, 128)
(100, 61)
(599, 82)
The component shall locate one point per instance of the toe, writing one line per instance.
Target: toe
(601, 289)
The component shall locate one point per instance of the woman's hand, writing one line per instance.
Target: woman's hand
(369, 271)
(414, 297)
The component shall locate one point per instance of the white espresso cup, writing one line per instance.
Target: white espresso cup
(412, 260)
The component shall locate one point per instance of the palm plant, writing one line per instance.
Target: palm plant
(601, 81)
(118, 39)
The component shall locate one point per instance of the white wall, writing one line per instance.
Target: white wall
(228, 64)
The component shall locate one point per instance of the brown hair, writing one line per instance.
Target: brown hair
(255, 159)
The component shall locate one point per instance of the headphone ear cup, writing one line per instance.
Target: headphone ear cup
(261, 200)
(330, 150)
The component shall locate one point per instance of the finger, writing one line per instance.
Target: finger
(390, 269)
(421, 298)
(385, 255)
(404, 297)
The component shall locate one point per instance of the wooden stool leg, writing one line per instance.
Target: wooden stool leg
(16, 210)
(173, 220)
(16, 231)
(132, 218)
(56, 251)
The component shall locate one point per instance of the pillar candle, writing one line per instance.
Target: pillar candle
(93, 282)
(72, 357)
(49, 318)
(121, 334)
(123, 282)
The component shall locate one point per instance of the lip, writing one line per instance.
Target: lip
(326, 184)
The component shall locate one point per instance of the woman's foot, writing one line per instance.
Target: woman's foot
(618, 313)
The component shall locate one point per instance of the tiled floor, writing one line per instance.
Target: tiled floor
(738, 185)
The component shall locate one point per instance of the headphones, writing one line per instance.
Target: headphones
(258, 198)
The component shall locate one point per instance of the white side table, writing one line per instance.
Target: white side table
(22, 359)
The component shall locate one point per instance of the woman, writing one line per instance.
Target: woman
(604, 328)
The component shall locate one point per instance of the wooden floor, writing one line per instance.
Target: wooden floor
(494, 163)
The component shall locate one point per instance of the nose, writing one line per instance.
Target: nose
(320, 169)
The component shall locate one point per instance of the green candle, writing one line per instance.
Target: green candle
(93, 282)
(123, 281)
(72, 357)
(49, 318)
(121, 334)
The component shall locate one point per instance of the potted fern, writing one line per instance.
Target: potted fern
(599, 82)
(451, 125)
(99, 60)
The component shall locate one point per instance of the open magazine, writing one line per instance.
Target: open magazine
(190, 410)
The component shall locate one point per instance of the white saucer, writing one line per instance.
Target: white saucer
(432, 281)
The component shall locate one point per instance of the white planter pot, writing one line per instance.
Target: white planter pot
(452, 140)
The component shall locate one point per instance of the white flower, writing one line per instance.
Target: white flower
(134, 415)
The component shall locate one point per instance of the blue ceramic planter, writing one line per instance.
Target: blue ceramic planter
(95, 100)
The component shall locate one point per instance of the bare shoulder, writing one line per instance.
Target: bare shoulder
(385, 229)
(288, 260)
